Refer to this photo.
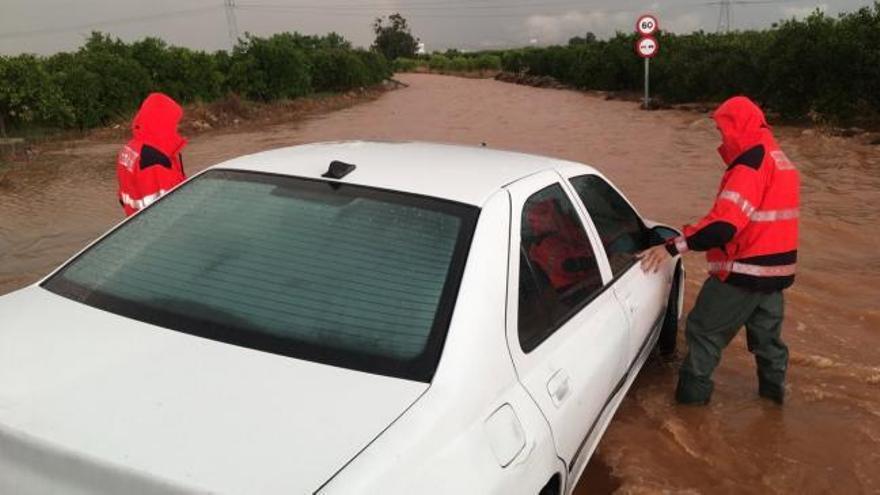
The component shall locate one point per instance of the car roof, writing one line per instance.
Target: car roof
(465, 174)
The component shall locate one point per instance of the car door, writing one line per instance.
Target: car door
(567, 335)
(623, 234)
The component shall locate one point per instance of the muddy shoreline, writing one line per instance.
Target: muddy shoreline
(827, 436)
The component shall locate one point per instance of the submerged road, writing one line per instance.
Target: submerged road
(827, 436)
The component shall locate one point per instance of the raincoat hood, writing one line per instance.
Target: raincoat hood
(742, 125)
(156, 124)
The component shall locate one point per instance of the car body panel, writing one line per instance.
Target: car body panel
(189, 412)
(586, 355)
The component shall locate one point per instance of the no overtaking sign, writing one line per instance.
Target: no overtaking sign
(647, 47)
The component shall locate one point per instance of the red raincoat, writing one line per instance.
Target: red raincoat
(751, 233)
(150, 165)
(561, 246)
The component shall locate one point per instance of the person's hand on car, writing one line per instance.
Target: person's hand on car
(653, 258)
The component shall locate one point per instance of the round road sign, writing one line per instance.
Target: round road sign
(647, 47)
(647, 25)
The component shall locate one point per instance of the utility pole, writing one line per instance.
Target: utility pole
(231, 22)
(724, 16)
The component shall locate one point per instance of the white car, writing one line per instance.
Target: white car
(413, 318)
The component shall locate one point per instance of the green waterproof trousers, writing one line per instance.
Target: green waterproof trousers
(720, 311)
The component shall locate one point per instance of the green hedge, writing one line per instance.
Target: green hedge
(486, 61)
(106, 79)
(454, 61)
(31, 93)
(403, 64)
(820, 67)
(451, 61)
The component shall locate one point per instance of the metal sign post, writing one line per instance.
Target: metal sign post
(646, 47)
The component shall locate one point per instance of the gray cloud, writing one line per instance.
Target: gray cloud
(560, 27)
(800, 11)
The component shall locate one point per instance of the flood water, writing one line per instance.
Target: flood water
(826, 439)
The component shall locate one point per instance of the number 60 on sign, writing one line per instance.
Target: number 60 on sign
(646, 25)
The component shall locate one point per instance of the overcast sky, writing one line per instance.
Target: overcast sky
(48, 26)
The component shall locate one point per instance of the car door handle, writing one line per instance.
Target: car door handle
(558, 387)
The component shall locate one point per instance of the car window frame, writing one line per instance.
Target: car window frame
(544, 314)
(552, 178)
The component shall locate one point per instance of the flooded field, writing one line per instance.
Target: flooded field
(826, 439)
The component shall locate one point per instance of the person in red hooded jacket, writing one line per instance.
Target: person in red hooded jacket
(150, 164)
(750, 237)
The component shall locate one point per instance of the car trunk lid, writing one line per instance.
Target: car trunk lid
(93, 399)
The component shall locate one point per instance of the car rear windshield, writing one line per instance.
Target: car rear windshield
(344, 275)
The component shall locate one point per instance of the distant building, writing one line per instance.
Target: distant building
(420, 49)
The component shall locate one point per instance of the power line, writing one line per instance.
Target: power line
(434, 6)
(363, 13)
(429, 15)
(424, 10)
(752, 2)
(109, 22)
(439, 9)
(411, 6)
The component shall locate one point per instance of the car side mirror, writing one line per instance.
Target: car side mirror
(659, 234)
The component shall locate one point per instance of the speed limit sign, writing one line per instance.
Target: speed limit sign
(647, 25)
(647, 46)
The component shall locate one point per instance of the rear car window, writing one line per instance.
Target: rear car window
(339, 274)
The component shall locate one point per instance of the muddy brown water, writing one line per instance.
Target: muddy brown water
(826, 439)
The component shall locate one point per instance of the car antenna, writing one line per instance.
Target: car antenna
(338, 170)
